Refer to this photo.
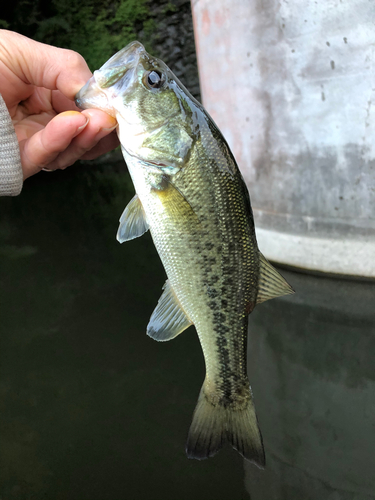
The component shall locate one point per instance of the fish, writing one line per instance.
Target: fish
(192, 197)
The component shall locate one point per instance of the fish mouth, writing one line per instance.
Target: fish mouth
(88, 94)
(111, 80)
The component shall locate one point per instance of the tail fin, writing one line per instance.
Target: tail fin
(214, 425)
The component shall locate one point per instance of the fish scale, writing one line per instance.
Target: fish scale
(221, 324)
(191, 195)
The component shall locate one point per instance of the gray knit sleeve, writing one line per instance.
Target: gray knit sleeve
(11, 177)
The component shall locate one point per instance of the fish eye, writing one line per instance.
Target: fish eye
(153, 79)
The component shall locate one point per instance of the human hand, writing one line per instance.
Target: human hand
(38, 83)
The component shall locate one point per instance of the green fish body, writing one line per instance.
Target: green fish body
(192, 197)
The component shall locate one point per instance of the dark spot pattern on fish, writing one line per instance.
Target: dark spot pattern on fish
(209, 260)
(212, 280)
(212, 304)
(228, 281)
(198, 209)
(212, 293)
(224, 253)
(219, 317)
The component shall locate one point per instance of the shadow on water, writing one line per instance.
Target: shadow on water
(92, 409)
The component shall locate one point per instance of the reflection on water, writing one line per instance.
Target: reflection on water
(93, 409)
(312, 368)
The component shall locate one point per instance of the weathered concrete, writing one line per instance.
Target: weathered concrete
(291, 87)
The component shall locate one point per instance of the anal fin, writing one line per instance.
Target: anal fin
(168, 319)
(271, 283)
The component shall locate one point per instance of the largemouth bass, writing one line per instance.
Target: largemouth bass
(191, 196)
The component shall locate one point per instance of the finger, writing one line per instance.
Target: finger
(44, 146)
(46, 66)
(61, 103)
(66, 159)
(100, 125)
(108, 143)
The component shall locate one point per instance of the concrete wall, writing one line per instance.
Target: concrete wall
(291, 86)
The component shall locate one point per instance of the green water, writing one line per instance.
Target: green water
(93, 409)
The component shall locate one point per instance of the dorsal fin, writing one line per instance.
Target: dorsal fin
(271, 283)
(132, 221)
(168, 319)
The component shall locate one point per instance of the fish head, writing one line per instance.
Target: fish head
(111, 82)
(156, 114)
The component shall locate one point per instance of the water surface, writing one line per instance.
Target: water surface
(93, 409)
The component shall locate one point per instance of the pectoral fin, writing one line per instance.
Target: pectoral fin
(132, 222)
(168, 319)
(174, 201)
(271, 283)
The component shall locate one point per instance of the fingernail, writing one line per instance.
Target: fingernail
(69, 113)
(79, 129)
(109, 129)
(84, 125)
(110, 119)
(73, 113)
